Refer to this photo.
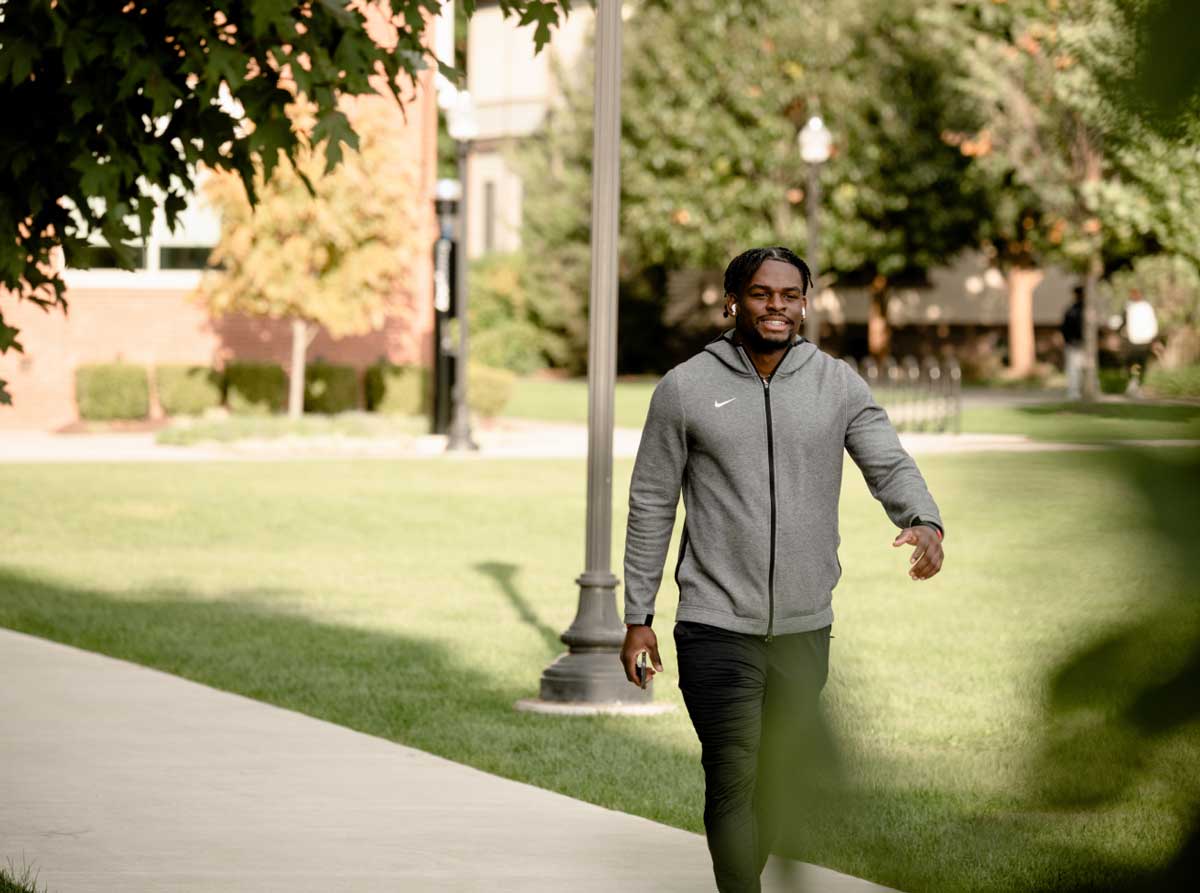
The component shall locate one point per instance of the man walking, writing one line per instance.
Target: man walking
(752, 430)
(1073, 352)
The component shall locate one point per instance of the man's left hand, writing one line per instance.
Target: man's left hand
(926, 558)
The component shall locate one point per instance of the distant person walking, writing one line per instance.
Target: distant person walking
(1141, 328)
(753, 430)
(1073, 356)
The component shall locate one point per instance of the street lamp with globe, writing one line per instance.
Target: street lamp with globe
(447, 195)
(816, 143)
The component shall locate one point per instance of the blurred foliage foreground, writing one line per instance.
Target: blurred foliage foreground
(1025, 720)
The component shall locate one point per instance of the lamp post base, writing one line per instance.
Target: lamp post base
(591, 672)
(460, 444)
(591, 677)
(458, 438)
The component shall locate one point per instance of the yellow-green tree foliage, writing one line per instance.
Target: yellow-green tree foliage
(338, 257)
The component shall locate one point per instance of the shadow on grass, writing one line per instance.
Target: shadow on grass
(1124, 715)
(504, 574)
(1117, 748)
(930, 836)
(1118, 743)
(414, 691)
(407, 689)
(1131, 411)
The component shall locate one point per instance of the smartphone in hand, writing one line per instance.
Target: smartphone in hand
(643, 659)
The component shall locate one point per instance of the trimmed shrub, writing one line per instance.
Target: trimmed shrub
(1182, 382)
(513, 344)
(330, 389)
(509, 328)
(255, 388)
(399, 390)
(187, 390)
(489, 389)
(112, 391)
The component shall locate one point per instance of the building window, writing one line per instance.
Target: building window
(184, 257)
(102, 257)
(489, 216)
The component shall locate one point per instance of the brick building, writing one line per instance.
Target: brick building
(149, 317)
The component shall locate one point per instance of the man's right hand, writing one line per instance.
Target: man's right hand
(640, 638)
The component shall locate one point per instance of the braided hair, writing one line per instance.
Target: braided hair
(743, 267)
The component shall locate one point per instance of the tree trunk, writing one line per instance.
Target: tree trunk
(301, 337)
(1022, 281)
(1088, 167)
(1090, 389)
(879, 333)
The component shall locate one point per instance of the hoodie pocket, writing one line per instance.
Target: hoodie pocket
(807, 569)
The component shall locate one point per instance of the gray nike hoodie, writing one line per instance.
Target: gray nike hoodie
(759, 464)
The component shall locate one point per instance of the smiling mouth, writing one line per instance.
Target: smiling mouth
(776, 323)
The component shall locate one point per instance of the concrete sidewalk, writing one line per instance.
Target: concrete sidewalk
(115, 777)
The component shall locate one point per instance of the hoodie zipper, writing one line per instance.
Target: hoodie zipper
(766, 382)
(771, 470)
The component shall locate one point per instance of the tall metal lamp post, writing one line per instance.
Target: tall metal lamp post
(462, 127)
(446, 199)
(589, 676)
(815, 143)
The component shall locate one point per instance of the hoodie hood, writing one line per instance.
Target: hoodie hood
(726, 350)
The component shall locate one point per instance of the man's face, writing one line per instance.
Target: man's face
(771, 311)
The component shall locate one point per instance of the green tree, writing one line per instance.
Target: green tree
(121, 103)
(1075, 177)
(713, 98)
(556, 166)
(507, 331)
(333, 257)
(1164, 87)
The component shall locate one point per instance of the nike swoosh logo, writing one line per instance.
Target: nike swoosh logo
(719, 405)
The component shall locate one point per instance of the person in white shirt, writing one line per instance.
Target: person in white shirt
(1141, 328)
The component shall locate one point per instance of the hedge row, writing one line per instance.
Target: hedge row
(112, 391)
(122, 391)
(187, 390)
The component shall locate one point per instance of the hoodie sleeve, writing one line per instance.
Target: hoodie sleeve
(889, 470)
(653, 498)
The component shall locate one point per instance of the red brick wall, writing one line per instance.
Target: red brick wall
(157, 326)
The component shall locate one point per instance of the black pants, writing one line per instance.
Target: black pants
(754, 706)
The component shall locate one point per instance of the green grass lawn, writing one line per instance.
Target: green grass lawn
(418, 600)
(566, 401)
(1087, 422)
